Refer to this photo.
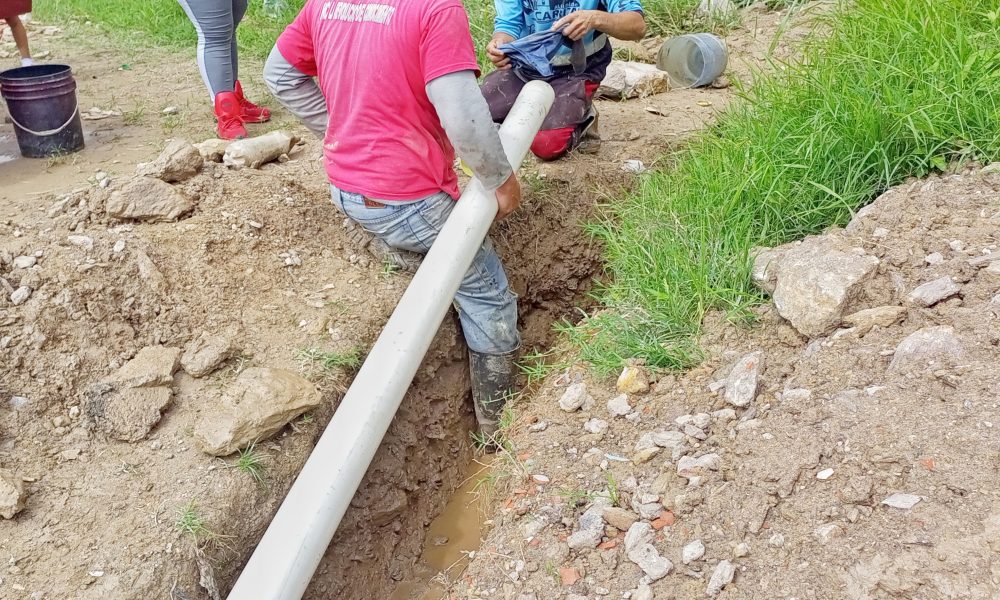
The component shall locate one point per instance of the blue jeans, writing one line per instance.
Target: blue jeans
(486, 305)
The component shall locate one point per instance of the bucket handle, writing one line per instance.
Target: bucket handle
(48, 132)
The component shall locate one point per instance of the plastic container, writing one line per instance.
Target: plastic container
(41, 100)
(693, 60)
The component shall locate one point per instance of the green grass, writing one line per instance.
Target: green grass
(191, 523)
(253, 463)
(897, 88)
(350, 359)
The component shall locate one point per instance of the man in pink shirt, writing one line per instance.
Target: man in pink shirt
(396, 96)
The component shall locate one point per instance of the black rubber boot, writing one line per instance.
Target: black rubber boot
(493, 380)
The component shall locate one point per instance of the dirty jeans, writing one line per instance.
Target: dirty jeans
(486, 305)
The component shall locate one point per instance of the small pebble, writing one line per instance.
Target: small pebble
(824, 474)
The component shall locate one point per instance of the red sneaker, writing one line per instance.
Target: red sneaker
(227, 111)
(250, 112)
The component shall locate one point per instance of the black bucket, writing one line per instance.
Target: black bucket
(41, 100)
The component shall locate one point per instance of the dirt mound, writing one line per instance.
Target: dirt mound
(864, 466)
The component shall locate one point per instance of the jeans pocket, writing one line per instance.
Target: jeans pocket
(377, 220)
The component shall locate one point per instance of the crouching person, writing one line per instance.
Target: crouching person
(391, 88)
(573, 117)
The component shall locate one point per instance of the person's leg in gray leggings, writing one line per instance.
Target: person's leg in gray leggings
(216, 21)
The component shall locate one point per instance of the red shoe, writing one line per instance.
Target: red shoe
(250, 112)
(227, 111)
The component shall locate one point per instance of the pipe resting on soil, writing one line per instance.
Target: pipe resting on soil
(293, 545)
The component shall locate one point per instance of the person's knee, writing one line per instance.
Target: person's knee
(552, 144)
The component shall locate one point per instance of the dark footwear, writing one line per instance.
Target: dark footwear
(590, 136)
(250, 112)
(493, 381)
(227, 112)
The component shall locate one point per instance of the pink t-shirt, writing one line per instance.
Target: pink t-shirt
(373, 59)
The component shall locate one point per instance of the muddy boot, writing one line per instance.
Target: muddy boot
(493, 380)
(590, 136)
(400, 260)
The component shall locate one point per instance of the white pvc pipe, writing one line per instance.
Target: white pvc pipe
(293, 545)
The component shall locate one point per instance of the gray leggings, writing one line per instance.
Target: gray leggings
(216, 22)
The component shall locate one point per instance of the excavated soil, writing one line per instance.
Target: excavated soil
(795, 499)
(264, 255)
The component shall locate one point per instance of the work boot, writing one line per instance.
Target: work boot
(227, 111)
(493, 380)
(250, 112)
(590, 135)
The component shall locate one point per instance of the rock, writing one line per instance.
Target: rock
(13, 496)
(692, 552)
(645, 455)
(643, 592)
(171, 110)
(212, 150)
(741, 386)
(595, 426)
(723, 575)
(825, 533)
(591, 529)
(765, 267)
(816, 281)
(259, 403)
(539, 427)
(776, 541)
(204, 354)
(932, 292)
(926, 349)
(81, 241)
(824, 474)
(619, 406)
(124, 413)
(24, 262)
(640, 550)
(902, 501)
(179, 161)
(148, 199)
(668, 439)
(387, 507)
(619, 518)
(688, 467)
(701, 420)
(574, 397)
(695, 432)
(993, 269)
(796, 395)
(934, 258)
(20, 295)
(883, 316)
(741, 550)
(152, 366)
(633, 380)
(632, 80)
(724, 416)
(718, 9)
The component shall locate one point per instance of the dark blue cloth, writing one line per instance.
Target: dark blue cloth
(536, 50)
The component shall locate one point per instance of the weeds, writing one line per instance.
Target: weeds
(898, 88)
(252, 462)
(329, 361)
(505, 467)
(576, 498)
(537, 365)
(614, 496)
(189, 522)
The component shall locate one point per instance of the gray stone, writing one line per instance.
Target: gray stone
(591, 529)
(152, 366)
(934, 258)
(796, 395)
(927, 348)
(741, 550)
(258, 404)
(148, 199)
(643, 592)
(932, 292)
(632, 80)
(817, 280)
(574, 397)
(204, 354)
(776, 540)
(668, 439)
(619, 406)
(20, 295)
(640, 550)
(765, 267)
(24, 262)
(619, 518)
(902, 501)
(741, 386)
(826, 533)
(13, 496)
(688, 467)
(725, 415)
(81, 241)
(692, 552)
(883, 316)
(723, 575)
(179, 161)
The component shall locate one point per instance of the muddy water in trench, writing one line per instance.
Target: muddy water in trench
(449, 539)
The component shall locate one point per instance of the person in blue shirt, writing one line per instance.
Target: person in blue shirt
(573, 116)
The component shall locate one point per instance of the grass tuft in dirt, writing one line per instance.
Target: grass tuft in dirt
(253, 463)
(329, 361)
(189, 522)
(898, 88)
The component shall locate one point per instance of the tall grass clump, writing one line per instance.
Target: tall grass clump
(893, 89)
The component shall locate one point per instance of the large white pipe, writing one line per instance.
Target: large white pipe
(293, 545)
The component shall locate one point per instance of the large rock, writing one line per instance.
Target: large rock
(591, 528)
(152, 366)
(259, 403)
(13, 496)
(126, 414)
(932, 292)
(640, 550)
(148, 199)
(632, 80)
(926, 349)
(817, 280)
(723, 575)
(179, 161)
(765, 267)
(744, 379)
(205, 353)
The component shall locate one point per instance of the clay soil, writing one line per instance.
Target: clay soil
(101, 515)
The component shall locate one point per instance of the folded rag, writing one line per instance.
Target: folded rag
(535, 51)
